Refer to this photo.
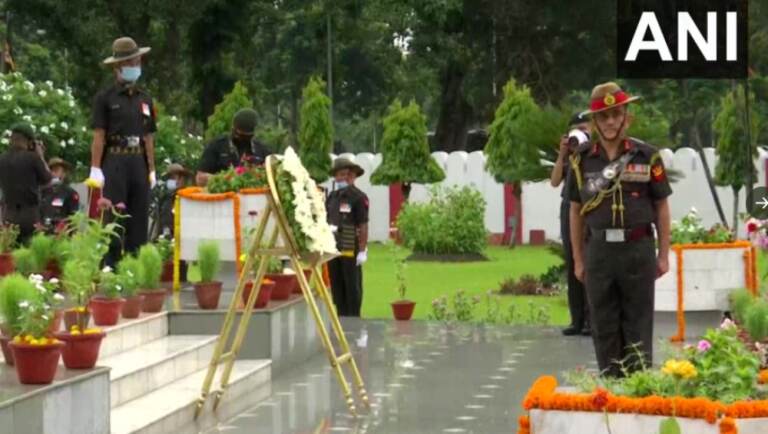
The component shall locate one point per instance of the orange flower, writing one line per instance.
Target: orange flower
(728, 426)
(600, 399)
(762, 378)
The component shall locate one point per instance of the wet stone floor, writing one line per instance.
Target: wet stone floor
(422, 378)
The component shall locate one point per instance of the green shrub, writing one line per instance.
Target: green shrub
(452, 222)
(151, 267)
(24, 261)
(756, 321)
(128, 271)
(14, 289)
(43, 249)
(740, 301)
(208, 260)
(8, 235)
(77, 277)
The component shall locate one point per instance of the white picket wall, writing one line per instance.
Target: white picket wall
(540, 201)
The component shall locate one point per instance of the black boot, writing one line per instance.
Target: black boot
(572, 330)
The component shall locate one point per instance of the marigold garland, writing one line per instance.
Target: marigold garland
(762, 378)
(750, 272)
(524, 425)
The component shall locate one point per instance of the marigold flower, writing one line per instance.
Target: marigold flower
(679, 368)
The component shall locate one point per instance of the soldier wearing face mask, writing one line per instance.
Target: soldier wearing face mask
(123, 148)
(237, 148)
(59, 200)
(177, 177)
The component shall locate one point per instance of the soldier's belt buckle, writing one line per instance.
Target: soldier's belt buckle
(614, 235)
(133, 141)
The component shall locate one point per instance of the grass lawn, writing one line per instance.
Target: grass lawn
(428, 281)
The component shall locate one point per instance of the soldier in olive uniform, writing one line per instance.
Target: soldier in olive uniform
(22, 172)
(348, 216)
(619, 188)
(123, 149)
(234, 149)
(59, 199)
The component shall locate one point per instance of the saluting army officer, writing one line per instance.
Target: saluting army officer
(59, 199)
(619, 188)
(123, 149)
(348, 216)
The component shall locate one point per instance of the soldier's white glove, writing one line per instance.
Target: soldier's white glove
(362, 257)
(152, 179)
(334, 228)
(95, 178)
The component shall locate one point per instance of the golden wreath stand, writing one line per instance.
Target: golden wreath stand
(259, 251)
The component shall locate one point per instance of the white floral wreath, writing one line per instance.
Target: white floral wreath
(310, 211)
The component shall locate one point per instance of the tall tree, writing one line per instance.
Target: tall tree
(316, 132)
(405, 151)
(732, 163)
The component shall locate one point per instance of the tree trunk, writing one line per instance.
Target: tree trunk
(454, 110)
(735, 227)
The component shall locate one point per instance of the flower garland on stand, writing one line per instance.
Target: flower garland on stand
(306, 210)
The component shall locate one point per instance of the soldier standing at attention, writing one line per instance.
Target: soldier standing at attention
(22, 172)
(59, 200)
(238, 148)
(123, 149)
(348, 216)
(619, 188)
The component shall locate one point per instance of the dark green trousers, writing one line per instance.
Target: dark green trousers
(346, 285)
(620, 279)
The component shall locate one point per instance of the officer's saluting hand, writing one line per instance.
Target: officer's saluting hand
(123, 148)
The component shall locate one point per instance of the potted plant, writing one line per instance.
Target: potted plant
(50, 291)
(165, 247)
(402, 309)
(265, 293)
(8, 235)
(285, 283)
(208, 290)
(81, 347)
(106, 306)
(14, 289)
(149, 279)
(36, 355)
(128, 271)
(44, 255)
(78, 277)
(23, 261)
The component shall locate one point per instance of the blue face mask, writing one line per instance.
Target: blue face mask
(130, 73)
(341, 185)
(171, 184)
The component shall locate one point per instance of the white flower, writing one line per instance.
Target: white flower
(83, 129)
(49, 83)
(54, 280)
(4, 141)
(63, 144)
(35, 278)
(27, 118)
(24, 304)
(18, 111)
(693, 210)
(45, 317)
(42, 93)
(7, 97)
(106, 269)
(60, 92)
(58, 297)
(45, 130)
(29, 85)
(64, 125)
(71, 141)
(72, 104)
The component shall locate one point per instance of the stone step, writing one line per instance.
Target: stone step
(143, 369)
(132, 333)
(171, 409)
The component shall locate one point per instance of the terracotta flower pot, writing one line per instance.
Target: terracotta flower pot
(36, 364)
(7, 353)
(132, 306)
(75, 318)
(403, 309)
(153, 300)
(285, 284)
(105, 311)
(167, 275)
(262, 299)
(6, 264)
(208, 294)
(80, 351)
(58, 316)
(52, 271)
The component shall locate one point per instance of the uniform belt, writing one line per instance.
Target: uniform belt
(125, 141)
(125, 150)
(633, 234)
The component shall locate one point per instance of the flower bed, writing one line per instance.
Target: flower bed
(708, 388)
